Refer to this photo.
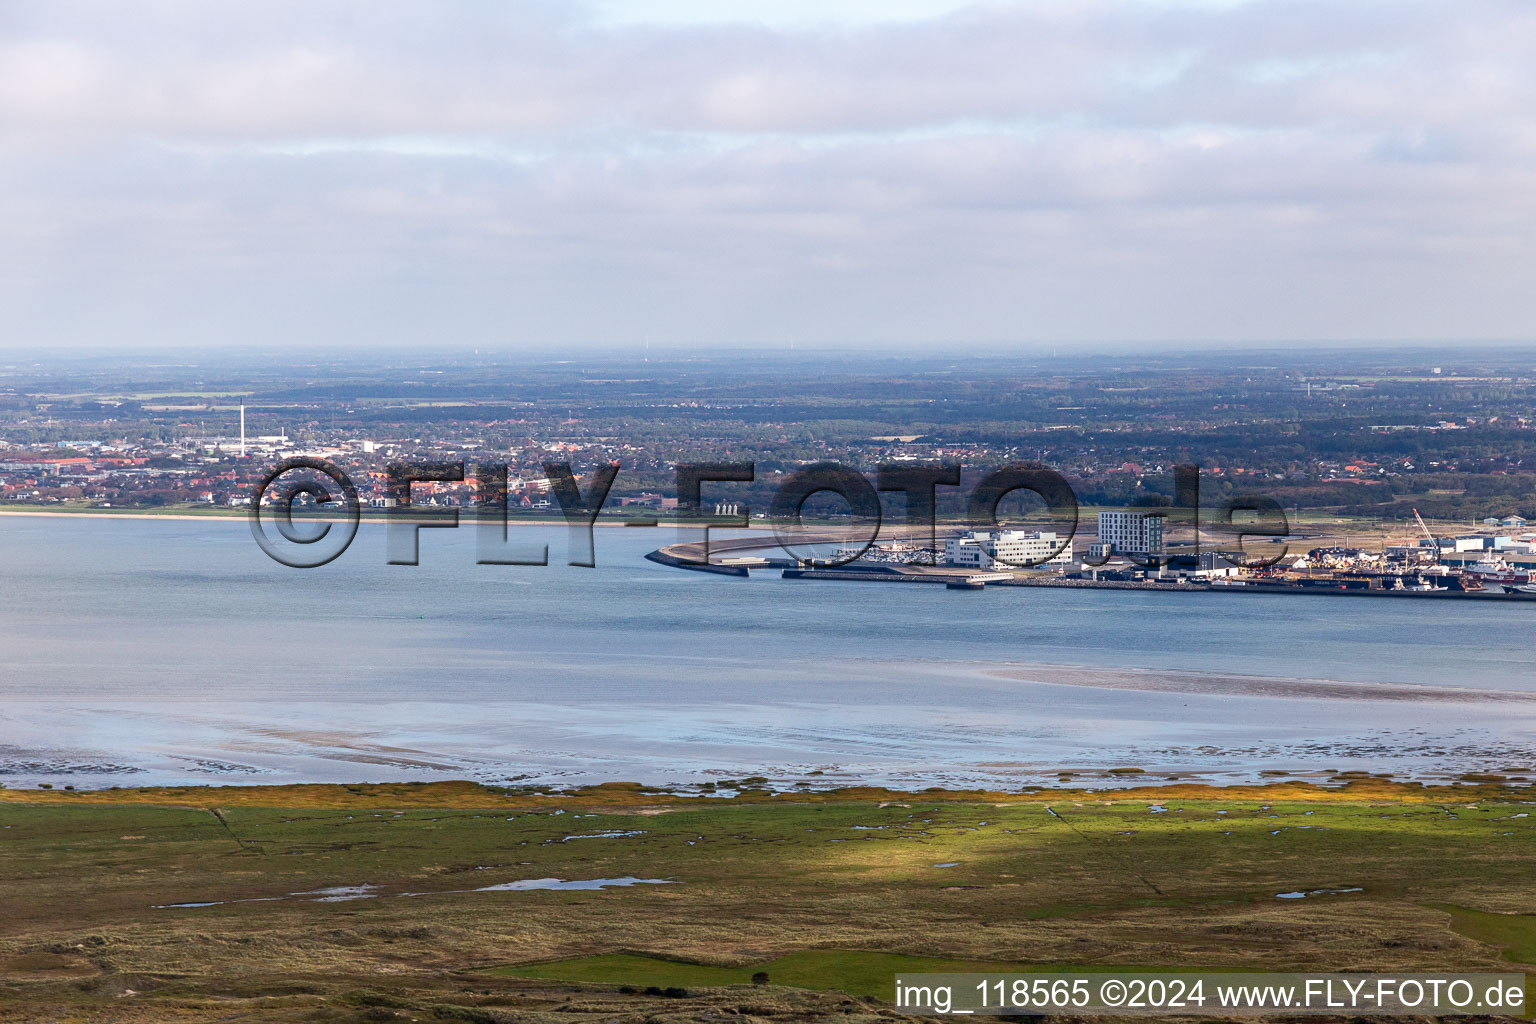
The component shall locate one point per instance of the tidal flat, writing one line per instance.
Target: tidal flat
(200, 904)
(155, 653)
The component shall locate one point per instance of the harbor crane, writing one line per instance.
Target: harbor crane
(1432, 538)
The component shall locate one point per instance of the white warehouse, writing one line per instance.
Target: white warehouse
(1005, 549)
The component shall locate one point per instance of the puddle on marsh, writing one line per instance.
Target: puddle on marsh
(334, 894)
(339, 893)
(1303, 894)
(556, 883)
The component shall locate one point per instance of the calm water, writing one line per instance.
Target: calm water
(148, 651)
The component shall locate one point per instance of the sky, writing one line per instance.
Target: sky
(905, 175)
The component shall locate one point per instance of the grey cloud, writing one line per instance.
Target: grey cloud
(1008, 172)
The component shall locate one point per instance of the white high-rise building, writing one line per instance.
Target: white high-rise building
(1004, 550)
(1132, 531)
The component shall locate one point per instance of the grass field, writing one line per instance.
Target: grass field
(827, 893)
(856, 972)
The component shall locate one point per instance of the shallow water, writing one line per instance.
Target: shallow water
(139, 652)
(588, 883)
(1302, 894)
(343, 893)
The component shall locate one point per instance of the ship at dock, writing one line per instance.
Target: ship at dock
(1497, 572)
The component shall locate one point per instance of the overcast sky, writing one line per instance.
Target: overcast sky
(912, 173)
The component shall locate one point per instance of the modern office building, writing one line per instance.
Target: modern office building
(1005, 549)
(1132, 531)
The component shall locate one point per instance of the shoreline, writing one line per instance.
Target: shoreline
(1173, 740)
(97, 514)
(242, 516)
(1346, 786)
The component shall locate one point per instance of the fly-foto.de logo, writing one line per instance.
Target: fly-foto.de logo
(313, 510)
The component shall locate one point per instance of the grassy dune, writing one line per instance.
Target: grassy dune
(829, 893)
